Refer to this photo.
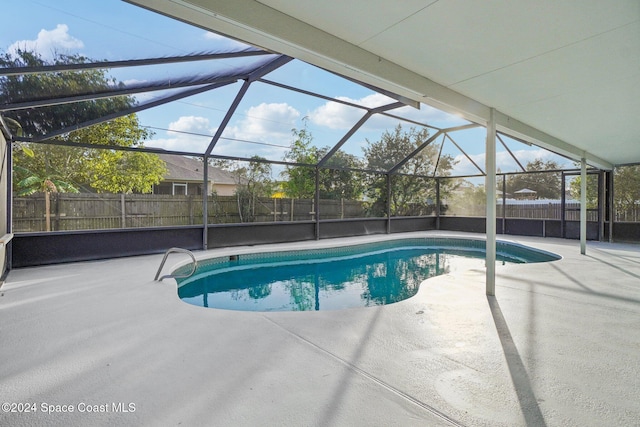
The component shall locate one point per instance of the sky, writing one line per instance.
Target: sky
(264, 120)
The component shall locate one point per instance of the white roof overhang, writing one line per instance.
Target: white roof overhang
(564, 75)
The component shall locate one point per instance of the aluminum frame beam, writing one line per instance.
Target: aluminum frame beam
(310, 93)
(227, 117)
(15, 71)
(415, 152)
(466, 155)
(357, 126)
(407, 101)
(115, 93)
(429, 141)
(511, 153)
(252, 77)
(131, 110)
(435, 168)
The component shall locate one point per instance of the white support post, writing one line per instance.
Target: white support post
(490, 188)
(583, 205)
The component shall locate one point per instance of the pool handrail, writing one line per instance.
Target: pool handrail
(176, 276)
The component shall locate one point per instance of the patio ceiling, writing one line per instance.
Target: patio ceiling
(563, 75)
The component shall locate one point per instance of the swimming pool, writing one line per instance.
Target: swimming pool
(360, 275)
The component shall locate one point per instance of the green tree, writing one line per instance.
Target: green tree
(339, 181)
(101, 170)
(626, 190)
(468, 200)
(27, 182)
(42, 86)
(412, 192)
(547, 185)
(253, 181)
(300, 181)
(336, 181)
(60, 165)
(592, 190)
(93, 169)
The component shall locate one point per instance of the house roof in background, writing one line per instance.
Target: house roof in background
(181, 168)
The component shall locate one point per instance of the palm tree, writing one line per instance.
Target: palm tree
(31, 183)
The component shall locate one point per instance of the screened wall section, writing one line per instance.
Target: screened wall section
(234, 145)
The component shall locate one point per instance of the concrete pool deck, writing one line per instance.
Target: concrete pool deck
(559, 345)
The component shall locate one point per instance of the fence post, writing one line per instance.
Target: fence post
(123, 211)
(47, 210)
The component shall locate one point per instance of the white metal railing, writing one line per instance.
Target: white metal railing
(172, 276)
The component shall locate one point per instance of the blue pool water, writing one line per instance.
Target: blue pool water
(328, 279)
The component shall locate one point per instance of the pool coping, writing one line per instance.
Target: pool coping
(333, 243)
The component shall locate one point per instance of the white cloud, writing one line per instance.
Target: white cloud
(264, 123)
(339, 116)
(183, 139)
(526, 156)
(335, 116)
(49, 42)
(192, 124)
(130, 82)
(221, 40)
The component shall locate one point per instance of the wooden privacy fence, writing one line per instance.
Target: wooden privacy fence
(546, 211)
(86, 211)
(629, 215)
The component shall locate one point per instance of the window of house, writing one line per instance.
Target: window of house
(179, 189)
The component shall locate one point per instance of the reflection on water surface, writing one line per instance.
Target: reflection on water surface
(362, 280)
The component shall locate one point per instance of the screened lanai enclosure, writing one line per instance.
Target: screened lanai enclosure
(227, 144)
